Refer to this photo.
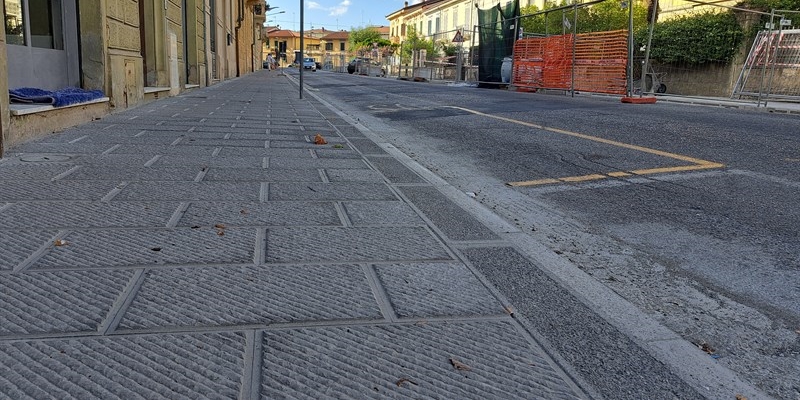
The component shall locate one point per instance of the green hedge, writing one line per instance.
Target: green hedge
(695, 39)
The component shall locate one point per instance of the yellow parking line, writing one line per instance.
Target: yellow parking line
(616, 174)
(699, 164)
(664, 170)
(583, 178)
(545, 181)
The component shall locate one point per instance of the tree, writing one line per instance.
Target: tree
(415, 42)
(365, 39)
(609, 15)
(448, 48)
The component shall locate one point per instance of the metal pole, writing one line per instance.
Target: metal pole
(647, 51)
(574, 45)
(775, 58)
(459, 60)
(630, 48)
(302, 44)
(766, 57)
(471, 51)
(545, 24)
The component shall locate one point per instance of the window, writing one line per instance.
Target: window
(37, 23)
(455, 18)
(430, 27)
(341, 46)
(403, 30)
(15, 25)
(328, 46)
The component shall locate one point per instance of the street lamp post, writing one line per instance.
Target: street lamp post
(279, 12)
(302, 44)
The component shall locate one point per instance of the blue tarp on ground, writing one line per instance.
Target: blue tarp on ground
(59, 98)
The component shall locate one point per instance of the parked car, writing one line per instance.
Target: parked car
(356, 63)
(309, 63)
(360, 64)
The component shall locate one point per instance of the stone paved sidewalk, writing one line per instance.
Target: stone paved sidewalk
(203, 246)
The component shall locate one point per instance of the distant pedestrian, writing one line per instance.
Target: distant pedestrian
(270, 62)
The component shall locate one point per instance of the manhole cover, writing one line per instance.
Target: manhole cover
(45, 158)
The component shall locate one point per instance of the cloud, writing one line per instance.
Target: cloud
(340, 9)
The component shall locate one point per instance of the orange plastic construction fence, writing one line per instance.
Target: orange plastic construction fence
(600, 62)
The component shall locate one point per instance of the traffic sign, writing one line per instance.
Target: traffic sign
(458, 38)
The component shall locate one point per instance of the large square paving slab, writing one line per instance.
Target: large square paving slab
(309, 244)
(330, 191)
(436, 289)
(178, 366)
(288, 213)
(60, 190)
(49, 302)
(142, 247)
(17, 246)
(251, 295)
(363, 213)
(86, 214)
(475, 360)
(191, 191)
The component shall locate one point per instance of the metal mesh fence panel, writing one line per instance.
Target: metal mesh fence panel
(772, 67)
(694, 53)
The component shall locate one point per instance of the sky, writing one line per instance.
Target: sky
(332, 14)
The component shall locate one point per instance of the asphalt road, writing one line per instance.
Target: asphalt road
(690, 213)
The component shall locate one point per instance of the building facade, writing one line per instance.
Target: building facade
(131, 50)
(329, 48)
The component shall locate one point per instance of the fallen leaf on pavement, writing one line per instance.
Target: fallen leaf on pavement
(706, 347)
(319, 139)
(740, 397)
(509, 310)
(405, 380)
(459, 365)
(219, 226)
(61, 242)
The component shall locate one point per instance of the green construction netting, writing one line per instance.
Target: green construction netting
(498, 28)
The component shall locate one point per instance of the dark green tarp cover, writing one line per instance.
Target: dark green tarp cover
(498, 28)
